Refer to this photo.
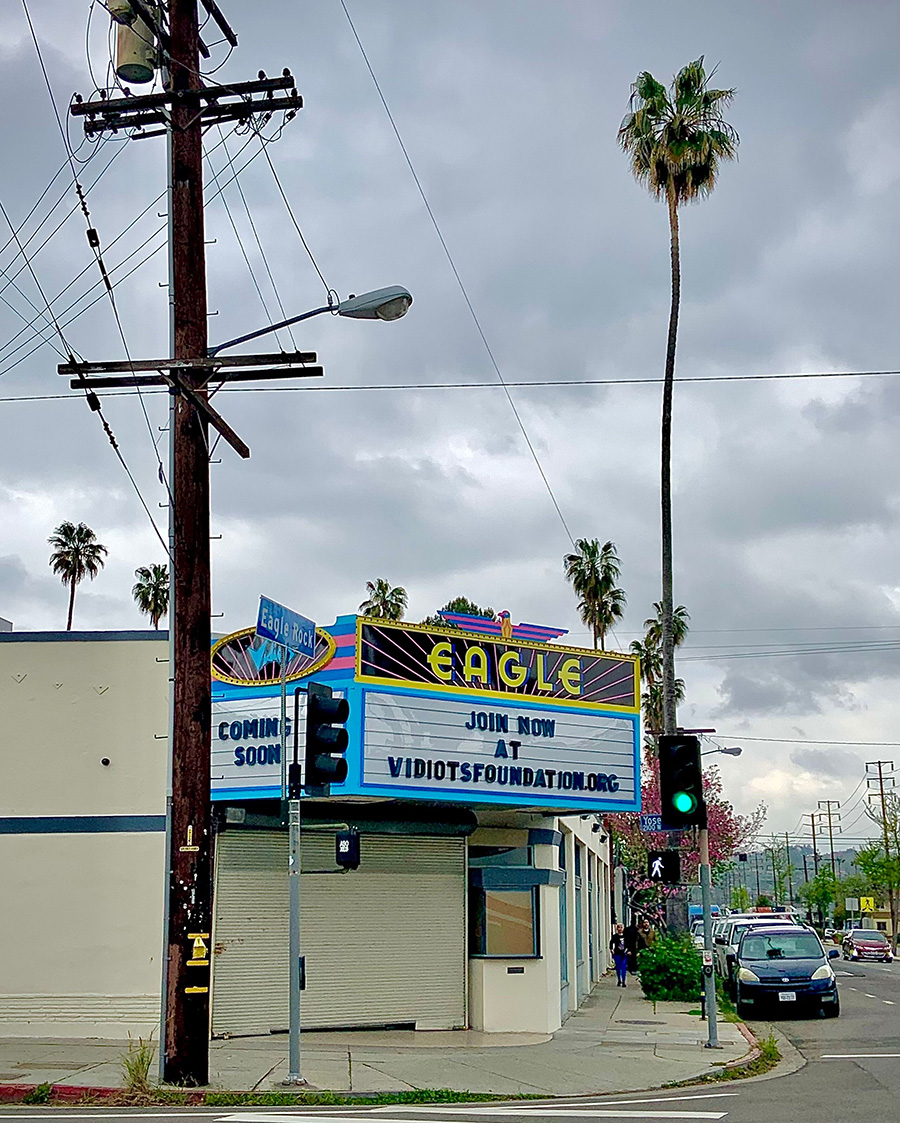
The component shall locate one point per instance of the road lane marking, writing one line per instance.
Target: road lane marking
(871, 996)
(546, 1112)
(888, 1002)
(855, 1056)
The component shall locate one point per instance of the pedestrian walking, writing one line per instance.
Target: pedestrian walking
(646, 935)
(619, 954)
(631, 946)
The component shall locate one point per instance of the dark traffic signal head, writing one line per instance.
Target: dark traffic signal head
(681, 781)
(325, 740)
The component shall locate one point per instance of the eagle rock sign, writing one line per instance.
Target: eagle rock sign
(477, 711)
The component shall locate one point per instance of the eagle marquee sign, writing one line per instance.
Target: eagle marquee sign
(479, 711)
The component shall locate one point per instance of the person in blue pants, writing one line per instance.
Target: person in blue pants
(619, 954)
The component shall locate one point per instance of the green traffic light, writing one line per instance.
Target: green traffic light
(684, 802)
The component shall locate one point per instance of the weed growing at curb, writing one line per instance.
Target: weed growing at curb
(768, 1058)
(38, 1095)
(136, 1065)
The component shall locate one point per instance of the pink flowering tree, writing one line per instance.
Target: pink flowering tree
(728, 833)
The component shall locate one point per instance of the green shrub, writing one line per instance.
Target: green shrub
(670, 970)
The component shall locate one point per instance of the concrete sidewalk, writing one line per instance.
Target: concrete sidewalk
(616, 1042)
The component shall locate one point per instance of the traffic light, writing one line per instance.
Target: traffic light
(681, 781)
(346, 849)
(325, 741)
(664, 866)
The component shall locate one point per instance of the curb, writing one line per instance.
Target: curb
(74, 1093)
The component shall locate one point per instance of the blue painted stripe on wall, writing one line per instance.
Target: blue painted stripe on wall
(81, 637)
(81, 824)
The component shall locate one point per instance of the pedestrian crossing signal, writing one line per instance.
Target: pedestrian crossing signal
(664, 866)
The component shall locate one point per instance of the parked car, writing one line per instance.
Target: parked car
(725, 944)
(864, 943)
(785, 967)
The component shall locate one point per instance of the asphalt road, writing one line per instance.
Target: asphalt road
(852, 1072)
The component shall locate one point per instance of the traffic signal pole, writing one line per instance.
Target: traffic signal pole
(712, 1029)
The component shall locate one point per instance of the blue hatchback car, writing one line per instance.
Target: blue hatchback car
(785, 968)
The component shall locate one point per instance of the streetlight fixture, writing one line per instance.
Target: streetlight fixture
(381, 304)
(733, 750)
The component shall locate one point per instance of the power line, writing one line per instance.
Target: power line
(808, 741)
(309, 253)
(459, 280)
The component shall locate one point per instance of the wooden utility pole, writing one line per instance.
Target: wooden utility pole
(187, 979)
(812, 824)
(182, 110)
(826, 806)
(787, 854)
(888, 766)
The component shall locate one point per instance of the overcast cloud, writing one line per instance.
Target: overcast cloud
(785, 492)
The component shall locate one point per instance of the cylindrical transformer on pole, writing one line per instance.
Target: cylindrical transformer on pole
(136, 53)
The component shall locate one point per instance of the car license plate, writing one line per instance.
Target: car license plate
(787, 996)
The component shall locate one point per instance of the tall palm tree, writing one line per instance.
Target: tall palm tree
(653, 626)
(648, 655)
(76, 554)
(383, 601)
(151, 591)
(593, 571)
(676, 141)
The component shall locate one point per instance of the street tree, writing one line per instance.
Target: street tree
(593, 571)
(728, 834)
(820, 893)
(383, 601)
(676, 140)
(151, 591)
(740, 898)
(76, 554)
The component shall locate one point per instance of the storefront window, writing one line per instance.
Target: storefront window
(481, 856)
(503, 922)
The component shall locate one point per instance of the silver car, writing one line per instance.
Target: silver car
(726, 943)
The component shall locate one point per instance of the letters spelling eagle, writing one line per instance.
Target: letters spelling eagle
(502, 627)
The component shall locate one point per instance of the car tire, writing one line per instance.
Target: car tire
(741, 1008)
(832, 1011)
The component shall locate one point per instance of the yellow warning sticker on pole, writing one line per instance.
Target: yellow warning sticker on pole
(867, 904)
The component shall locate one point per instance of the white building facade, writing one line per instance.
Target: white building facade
(486, 908)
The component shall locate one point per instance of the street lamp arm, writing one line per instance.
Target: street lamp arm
(381, 304)
(265, 331)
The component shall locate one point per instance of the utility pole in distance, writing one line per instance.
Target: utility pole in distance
(885, 770)
(825, 808)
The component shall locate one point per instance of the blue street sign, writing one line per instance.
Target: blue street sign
(651, 823)
(284, 626)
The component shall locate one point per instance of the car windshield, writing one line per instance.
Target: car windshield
(781, 945)
(871, 937)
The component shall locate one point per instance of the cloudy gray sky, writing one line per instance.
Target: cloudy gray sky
(785, 491)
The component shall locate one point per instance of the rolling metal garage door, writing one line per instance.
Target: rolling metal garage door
(384, 944)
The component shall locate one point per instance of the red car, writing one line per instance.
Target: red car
(863, 943)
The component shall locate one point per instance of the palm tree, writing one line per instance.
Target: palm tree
(76, 554)
(383, 601)
(648, 655)
(151, 591)
(676, 140)
(593, 571)
(680, 626)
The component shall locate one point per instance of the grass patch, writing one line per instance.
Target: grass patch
(183, 1097)
(768, 1058)
(324, 1099)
